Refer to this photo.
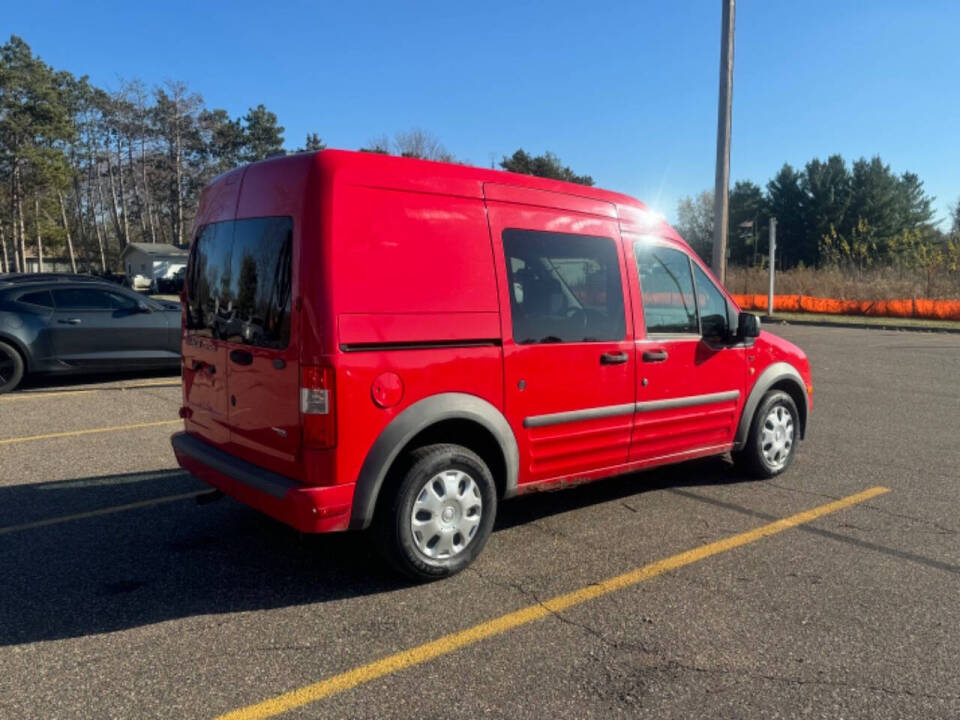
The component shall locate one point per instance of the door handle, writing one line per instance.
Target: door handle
(241, 357)
(70, 321)
(654, 355)
(613, 358)
(199, 365)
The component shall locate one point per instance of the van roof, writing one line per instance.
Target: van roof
(394, 163)
(377, 169)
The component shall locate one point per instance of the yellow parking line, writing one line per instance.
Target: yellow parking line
(449, 643)
(74, 433)
(151, 383)
(104, 511)
(37, 394)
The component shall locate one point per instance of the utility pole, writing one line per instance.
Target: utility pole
(721, 189)
(773, 255)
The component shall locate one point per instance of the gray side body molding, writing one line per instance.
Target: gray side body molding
(771, 376)
(419, 416)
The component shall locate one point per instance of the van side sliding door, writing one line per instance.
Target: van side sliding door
(569, 366)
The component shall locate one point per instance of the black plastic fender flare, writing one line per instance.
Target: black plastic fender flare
(778, 372)
(416, 418)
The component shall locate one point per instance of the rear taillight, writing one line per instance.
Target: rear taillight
(317, 407)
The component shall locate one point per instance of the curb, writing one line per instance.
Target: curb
(767, 320)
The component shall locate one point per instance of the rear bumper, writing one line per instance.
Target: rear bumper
(308, 509)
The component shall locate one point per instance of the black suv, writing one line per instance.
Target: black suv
(60, 323)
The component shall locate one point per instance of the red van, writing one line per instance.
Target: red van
(380, 341)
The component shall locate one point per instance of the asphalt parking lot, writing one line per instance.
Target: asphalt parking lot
(121, 596)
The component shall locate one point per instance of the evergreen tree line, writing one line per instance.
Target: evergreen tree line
(85, 171)
(829, 214)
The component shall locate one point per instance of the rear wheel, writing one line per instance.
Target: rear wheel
(439, 518)
(772, 441)
(11, 368)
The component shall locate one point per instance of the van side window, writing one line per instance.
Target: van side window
(669, 304)
(239, 282)
(712, 305)
(563, 288)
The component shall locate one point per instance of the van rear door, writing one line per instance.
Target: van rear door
(204, 354)
(241, 372)
(263, 369)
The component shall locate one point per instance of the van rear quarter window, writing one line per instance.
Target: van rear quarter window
(239, 282)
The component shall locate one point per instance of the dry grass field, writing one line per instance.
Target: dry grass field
(871, 284)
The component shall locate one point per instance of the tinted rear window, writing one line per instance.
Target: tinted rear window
(239, 281)
(41, 298)
(85, 298)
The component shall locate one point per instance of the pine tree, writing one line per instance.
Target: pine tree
(313, 143)
(785, 199)
(263, 136)
(547, 165)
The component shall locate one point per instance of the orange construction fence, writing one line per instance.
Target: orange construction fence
(908, 308)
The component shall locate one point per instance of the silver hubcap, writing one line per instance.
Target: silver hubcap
(446, 514)
(776, 441)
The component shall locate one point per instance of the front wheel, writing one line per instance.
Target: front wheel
(439, 518)
(772, 441)
(11, 368)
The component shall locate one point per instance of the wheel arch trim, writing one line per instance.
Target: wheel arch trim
(420, 416)
(777, 373)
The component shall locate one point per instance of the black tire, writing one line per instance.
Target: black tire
(393, 523)
(752, 459)
(11, 368)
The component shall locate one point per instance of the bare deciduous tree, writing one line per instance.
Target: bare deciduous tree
(417, 143)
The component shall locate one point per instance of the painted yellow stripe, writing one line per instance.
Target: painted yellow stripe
(40, 394)
(91, 431)
(449, 643)
(103, 511)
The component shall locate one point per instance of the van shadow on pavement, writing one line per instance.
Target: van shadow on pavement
(178, 559)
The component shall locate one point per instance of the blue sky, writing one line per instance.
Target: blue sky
(626, 91)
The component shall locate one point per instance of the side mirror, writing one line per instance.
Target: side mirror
(748, 326)
(142, 307)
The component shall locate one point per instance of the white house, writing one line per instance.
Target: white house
(152, 260)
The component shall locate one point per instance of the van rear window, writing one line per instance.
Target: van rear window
(238, 282)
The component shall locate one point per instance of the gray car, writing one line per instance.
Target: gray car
(61, 324)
